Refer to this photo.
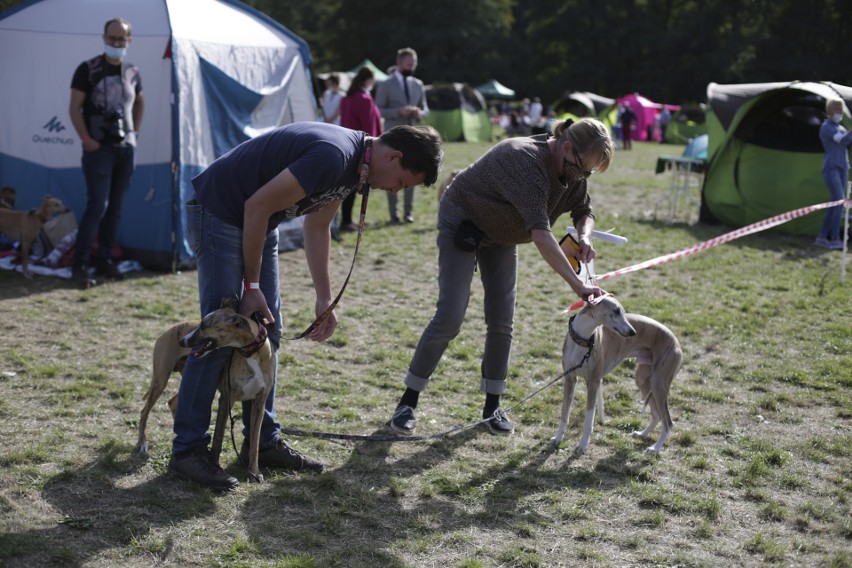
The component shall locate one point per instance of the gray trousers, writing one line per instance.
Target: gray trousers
(407, 203)
(498, 269)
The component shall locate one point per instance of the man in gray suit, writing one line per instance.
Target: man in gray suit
(401, 99)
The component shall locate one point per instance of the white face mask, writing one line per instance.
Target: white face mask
(836, 118)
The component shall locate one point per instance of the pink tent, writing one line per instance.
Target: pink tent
(646, 112)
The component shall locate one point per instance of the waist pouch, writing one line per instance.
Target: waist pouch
(468, 236)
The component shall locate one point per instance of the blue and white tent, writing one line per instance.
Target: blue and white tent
(214, 73)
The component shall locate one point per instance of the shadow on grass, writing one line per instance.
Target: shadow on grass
(369, 508)
(13, 285)
(96, 514)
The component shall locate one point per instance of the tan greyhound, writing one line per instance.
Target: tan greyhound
(248, 377)
(614, 336)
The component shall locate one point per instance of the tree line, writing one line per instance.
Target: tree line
(668, 50)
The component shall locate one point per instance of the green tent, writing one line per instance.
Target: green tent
(765, 156)
(580, 104)
(687, 123)
(494, 89)
(379, 74)
(457, 112)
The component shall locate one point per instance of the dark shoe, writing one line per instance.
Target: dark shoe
(349, 228)
(282, 456)
(394, 220)
(199, 466)
(409, 218)
(829, 244)
(108, 270)
(500, 423)
(80, 277)
(403, 420)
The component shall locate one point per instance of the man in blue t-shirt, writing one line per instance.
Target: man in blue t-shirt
(305, 168)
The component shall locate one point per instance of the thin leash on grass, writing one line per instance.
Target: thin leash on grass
(395, 438)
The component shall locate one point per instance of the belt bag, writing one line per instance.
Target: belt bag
(468, 236)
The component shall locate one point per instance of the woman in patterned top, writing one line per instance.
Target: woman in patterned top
(511, 195)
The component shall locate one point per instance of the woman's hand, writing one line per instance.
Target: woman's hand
(587, 251)
(586, 291)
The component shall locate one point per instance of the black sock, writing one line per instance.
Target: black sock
(492, 401)
(409, 398)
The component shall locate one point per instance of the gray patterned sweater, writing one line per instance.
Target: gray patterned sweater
(513, 188)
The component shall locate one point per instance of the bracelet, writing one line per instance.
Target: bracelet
(251, 285)
(85, 139)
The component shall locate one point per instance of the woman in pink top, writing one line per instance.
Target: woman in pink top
(358, 112)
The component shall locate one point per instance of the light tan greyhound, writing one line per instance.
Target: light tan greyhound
(248, 377)
(23, 226)
(614, 336)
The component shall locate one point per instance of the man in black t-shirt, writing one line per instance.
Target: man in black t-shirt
(106, 111)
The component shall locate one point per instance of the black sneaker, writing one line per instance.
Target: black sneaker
(108, 270)
(199, 466)
(500, 423)
(80, 277)
(403, 420)
(282, 456)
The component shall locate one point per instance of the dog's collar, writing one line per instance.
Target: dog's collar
(253, 347)
(582, 342)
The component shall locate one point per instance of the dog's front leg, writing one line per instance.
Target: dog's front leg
(25, 259)
(592, 388)
(257, 411)
(570, 382)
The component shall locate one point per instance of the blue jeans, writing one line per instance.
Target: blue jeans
(498, 268)
(107, 171)
(836, 180)
(218, 249)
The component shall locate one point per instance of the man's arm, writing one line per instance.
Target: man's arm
(317, 245)
(138, 111)
(277, 194)
(75, 111)
(383, 100)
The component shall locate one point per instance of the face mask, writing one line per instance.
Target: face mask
(572, 172)
(836, 118)
(114, 52)
(406, 72)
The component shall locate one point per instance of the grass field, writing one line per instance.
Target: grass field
(758, 470)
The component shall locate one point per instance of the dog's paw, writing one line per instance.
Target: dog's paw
(638, 434)
(141, 450)
(652, 450)
(579, 450)
(555, 441)
(255, 478)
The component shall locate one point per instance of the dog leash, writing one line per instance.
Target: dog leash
(364, 189)
(394, 438)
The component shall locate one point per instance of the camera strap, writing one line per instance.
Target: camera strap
(364, 189)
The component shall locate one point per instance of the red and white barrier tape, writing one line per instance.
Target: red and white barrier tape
(736, 234)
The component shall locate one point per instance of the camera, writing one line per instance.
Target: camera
(109, 127)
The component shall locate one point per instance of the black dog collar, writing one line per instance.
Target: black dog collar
(582, 342)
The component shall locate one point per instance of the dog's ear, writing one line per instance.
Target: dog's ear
(229, 303)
